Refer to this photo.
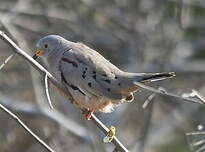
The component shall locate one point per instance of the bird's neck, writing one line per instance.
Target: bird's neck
(53, 62)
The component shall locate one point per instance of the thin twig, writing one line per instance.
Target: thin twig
(148, 100)
(199, 95)
(47, 92)
(26, 128)
(59, 85)
(195, 133)
(6, 61)
(165, 93)
(196, 141)
(146, 127)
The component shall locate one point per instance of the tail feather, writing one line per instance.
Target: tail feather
(128, 79)
(150, 77)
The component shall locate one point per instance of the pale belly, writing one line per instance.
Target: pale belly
(90, 102)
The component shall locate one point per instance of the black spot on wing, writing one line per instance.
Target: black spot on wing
(70, 85)
(108, 81)
(94, 77)
(76, 88)
(89, 84)
(63, 78)
(108, 89)
(83, 76)
(70, 62)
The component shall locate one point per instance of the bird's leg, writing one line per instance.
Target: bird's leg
(88, 113)
(110, 135)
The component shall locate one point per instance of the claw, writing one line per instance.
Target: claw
(89, 114)
(110, 135)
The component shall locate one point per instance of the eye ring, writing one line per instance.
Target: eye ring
(46, 45)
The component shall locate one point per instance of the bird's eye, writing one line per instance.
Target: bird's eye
(46, 45)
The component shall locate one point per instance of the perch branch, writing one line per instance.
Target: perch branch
(57, 84)
(119, 146)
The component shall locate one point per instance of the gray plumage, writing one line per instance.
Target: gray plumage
(94, 82)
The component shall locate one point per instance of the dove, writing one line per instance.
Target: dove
(94, 82)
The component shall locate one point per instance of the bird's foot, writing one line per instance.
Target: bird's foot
(88, 114)
(110, 135)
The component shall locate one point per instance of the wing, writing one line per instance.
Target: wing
(95, 60)
(85, 73)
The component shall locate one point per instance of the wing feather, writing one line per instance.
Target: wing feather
(90, 69)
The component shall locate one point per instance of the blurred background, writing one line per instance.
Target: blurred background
(135, 35)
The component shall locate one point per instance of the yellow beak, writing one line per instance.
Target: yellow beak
(38, 53)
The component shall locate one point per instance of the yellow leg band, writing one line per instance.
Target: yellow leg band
(110, 135)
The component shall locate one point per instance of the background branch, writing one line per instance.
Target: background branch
(15, 117)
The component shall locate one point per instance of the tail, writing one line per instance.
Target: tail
(128, 82)
(150, 77)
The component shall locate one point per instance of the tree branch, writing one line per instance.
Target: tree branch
(60, 87)
(162, 91)
(6, 61)
(25, 127)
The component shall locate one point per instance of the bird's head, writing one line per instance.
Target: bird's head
(47, 45)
